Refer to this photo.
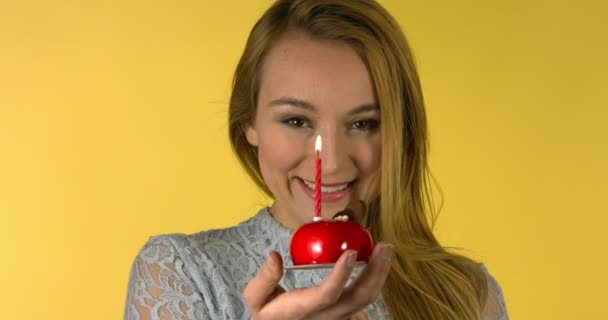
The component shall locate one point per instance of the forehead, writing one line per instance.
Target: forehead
(321, 72)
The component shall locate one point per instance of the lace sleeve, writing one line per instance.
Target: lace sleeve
(160, 285)
(495, 308)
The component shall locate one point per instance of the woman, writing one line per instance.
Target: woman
(341, 69)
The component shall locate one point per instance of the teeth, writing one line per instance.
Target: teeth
(326, 189)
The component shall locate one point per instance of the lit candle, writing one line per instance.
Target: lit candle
(318, 180)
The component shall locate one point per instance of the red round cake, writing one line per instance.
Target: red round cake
(324, 242)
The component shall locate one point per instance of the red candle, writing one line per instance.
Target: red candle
(318, 180)
(322, 242)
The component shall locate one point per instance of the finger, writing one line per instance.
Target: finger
(367, 287)
(329, 291)
(265, 284)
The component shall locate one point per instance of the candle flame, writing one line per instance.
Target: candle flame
(318, 144)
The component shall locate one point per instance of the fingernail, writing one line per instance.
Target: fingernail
(272, 265)
(351, 258)
(387, 252)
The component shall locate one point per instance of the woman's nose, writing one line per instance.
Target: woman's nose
(333, 153)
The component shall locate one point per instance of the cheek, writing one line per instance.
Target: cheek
(278, 155)
(369, 156)
(369, 162)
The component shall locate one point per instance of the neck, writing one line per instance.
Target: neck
(283, 218)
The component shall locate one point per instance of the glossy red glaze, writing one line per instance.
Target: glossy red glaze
(324, 242)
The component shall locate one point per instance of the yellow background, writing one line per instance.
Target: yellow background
(113, 128)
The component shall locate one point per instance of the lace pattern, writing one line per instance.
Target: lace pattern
(495, 308)
(202, 276)
(160, 285)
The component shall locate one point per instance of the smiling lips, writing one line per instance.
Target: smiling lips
(329, 192)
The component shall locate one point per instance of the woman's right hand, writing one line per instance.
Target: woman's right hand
(329, 300)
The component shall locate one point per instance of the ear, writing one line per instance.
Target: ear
(252, 134)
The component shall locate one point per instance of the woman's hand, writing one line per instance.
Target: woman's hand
(329, 300)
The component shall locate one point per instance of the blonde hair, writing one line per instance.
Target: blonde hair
(426, 281)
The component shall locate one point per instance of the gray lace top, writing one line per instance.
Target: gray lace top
(201, 276)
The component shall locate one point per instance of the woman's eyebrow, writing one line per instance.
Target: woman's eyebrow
(364, 108)
(299, 103)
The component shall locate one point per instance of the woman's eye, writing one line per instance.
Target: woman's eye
(296, 122)
(366, 124)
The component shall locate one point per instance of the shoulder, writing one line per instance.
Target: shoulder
(228, 255)
(495, 307)
(198, 249)
(208, 241)
(167, 252)
(216, 264)
(171, 275)
(160, 278)
(162, 247)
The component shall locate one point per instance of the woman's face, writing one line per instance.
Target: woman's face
(313, 87)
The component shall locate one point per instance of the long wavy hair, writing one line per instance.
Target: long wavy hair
(426, 281)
